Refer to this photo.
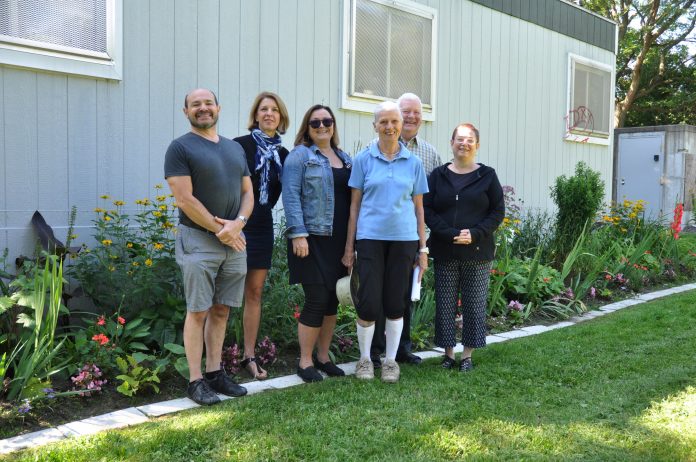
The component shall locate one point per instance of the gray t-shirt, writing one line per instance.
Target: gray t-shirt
(216, 171)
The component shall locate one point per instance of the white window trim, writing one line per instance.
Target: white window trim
(365, 104)
(600, 139)
(53, 58)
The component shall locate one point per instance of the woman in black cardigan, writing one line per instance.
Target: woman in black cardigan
(464, 207)
(268, 119)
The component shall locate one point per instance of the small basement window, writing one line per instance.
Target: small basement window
(590, 102)
(390, 50)
(72, 36)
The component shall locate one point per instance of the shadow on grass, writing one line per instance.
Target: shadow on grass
(621, 387)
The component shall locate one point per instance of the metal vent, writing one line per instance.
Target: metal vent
(79, 24)
(392, 52)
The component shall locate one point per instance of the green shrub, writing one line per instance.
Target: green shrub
(579, 199)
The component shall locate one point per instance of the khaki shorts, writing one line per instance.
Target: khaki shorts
(213, 272)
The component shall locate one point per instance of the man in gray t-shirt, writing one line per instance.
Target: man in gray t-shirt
(210, 180)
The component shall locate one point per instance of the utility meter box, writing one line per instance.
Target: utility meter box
(657, 165)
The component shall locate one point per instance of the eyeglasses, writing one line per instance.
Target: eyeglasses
(316, 123)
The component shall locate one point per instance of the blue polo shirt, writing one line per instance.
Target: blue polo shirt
(387, 212)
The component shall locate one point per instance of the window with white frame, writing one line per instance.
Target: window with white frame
(72, 36)
(391, 50)
(590, 100)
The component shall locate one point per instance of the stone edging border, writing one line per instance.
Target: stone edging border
(140, 414)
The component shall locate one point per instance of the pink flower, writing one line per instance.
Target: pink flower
(121, 320)
(515, 305)
(101, 321)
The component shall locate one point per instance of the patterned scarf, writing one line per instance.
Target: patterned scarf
(267, 158)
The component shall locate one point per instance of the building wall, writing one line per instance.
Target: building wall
(67, 139)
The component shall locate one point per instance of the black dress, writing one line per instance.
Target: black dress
(259, 230)
(323, 264)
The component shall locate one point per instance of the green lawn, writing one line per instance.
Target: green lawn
(621, 387)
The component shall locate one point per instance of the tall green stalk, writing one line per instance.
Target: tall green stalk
(32, 359)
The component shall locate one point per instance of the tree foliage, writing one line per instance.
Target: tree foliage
(654, 69)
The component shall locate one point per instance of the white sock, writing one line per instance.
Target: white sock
(393, 328)
(365, 335)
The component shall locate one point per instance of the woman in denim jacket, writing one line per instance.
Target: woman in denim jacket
(316, 198)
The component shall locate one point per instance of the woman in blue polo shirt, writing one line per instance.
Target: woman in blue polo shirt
(387, 229)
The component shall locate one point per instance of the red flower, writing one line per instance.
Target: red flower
(101, 321)
(101, 339)
(296, 313)
(676, 224)
(607, 277)
(121, 320)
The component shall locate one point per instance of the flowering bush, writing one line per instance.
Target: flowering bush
(107, 338)
(88, 380)
(132, 264)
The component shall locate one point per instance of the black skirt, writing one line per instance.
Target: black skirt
(323, 264)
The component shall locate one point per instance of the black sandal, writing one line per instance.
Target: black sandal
(448, 363)
(247, 363)
(466, 365)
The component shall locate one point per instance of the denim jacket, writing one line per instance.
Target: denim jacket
(308, 191)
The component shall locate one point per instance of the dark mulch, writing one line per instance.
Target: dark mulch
(51, 413)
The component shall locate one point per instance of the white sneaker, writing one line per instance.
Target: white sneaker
(390, 371)
(364, 370)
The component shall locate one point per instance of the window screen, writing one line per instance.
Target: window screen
(78, 24)
(392, 52)
(590, 99)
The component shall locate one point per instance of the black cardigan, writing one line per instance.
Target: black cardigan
(249, 145)
(478, 206)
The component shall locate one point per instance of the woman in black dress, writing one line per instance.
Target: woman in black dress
(268, 119)
(316, 199)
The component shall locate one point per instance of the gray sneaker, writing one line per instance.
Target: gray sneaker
(364, 370)
(390, 371)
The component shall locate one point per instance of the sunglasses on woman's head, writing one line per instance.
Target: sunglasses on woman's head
(316, 123)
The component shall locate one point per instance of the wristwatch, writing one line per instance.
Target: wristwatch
(424, 250)
(243, 218)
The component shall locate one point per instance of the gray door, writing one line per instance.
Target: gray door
(641, 157)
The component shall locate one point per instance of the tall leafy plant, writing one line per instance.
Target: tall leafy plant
(34, 358)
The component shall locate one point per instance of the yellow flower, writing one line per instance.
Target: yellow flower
(107, 218)
(99, 210)
(161, 198)
(148, 262)
(163, 207)
(146, 201)
(158, 186)
(119, 203)
(606, 218)
(159, 246)
(112, 268)
(129, 245)
(627, 203)
(632, 215)
(517, 222)
(175, 205)
(107, 242)
(73, 236)
(105, 196)
(167, 225)
(135, 263)
(157, 214)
